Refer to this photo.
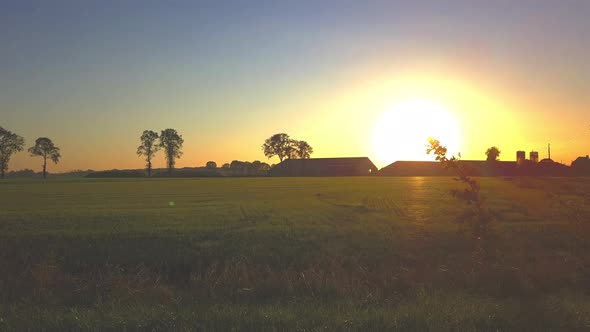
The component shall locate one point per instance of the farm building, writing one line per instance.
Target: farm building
(414, 168)
(431, 168)
(582, 165)
(476, 168)
(356, 166)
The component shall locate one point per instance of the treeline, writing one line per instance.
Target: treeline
(24, 173)
(29, 173)
(169, 141)
(235, 168)
(246, 168)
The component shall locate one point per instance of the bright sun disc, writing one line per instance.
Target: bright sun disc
(402, 132)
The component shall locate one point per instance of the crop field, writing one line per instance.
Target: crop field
(301, 254)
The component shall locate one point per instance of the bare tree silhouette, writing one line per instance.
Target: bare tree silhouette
(10, 143)
(45, 148)
(148, 148)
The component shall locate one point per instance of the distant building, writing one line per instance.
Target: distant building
(581, 165)
(522, 167)
(435, 168)
(479, 168)
(414, 168)
(520, 158)
(356, 166)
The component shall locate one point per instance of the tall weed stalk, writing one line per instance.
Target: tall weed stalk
(478, 216)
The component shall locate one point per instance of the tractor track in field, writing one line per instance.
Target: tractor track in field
(385, 204)
(252, 214)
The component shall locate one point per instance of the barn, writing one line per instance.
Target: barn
(470, 167)
(475, 168)
(356, 166)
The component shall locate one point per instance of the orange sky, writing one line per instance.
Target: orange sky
(511, 75)
(340, 120)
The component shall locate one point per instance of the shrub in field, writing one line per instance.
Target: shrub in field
(478, 216)
(577, 214)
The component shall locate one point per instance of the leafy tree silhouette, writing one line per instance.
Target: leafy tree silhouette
(45, 148)
(148, 148)
(278, 145)
(284, 147)
(10, 143)
(259, 168)
(211, 165)
(171, 142)
(302, 149)
(493, 153)
(237, 167)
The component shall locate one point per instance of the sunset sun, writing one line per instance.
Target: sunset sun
(402, 131)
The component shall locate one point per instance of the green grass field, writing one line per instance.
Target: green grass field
(303, 254)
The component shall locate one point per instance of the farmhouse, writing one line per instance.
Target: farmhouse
(356, 166)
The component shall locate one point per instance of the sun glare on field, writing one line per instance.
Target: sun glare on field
(402, 131)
